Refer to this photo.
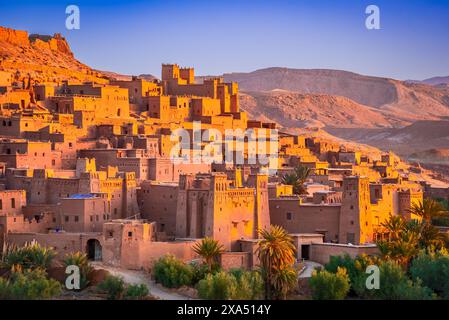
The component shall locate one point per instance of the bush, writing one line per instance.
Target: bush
(5, 289)
(28, 285)
(250, 284)
(113, 286)
(173, 273)
(236, 285)
(80, 259)
(329, 286)
(395, 285)
(220, 286)
(136, 291)
(30, 256)
(201, 270)
(356, 269)
(433, 270)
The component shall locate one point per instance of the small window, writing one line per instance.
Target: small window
(77, 218)
(289, 215)
(13, 203)
(66, 218)
(130, 234)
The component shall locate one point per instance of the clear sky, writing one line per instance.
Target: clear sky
(134, 37)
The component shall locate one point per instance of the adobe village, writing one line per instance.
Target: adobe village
(87, 171)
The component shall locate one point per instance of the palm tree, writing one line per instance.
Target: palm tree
(302, 173)
(81, 260)
(291, 180)
(402, 249)
(209, 249)
(284, 281)
(297, 179)
(428, 235)
(276, 253)
(394, 226)
(427, 209)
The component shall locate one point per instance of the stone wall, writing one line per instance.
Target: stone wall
(63, 243)
(231, 260)
(321, 252)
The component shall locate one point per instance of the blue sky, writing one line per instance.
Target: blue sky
(134, 37)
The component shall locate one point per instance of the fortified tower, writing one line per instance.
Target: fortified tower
(355, 217)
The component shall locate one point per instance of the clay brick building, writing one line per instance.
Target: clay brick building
(213, 206)
(352, 216)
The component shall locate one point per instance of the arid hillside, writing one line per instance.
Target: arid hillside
(435, 81)
(416, 138)
(42, 58)
(401, 103)
(124, 77)
(291, 109)
(431, 156)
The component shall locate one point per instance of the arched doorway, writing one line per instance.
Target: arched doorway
(93, 250)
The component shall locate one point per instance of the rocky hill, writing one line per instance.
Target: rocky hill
(125, 77)
(42, 58)
(400, 102)
(416, 138)
(434, 81)
(292, 109)
(431, 156)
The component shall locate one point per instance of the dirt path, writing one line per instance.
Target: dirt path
(310, 266)
(139, 277)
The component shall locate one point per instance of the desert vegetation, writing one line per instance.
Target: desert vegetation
(275, 278)
(30, 272)
(413, 265)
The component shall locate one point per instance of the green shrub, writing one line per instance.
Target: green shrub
(237, 284)
(394, 282)
(433, 270)
(395, 285)
(136, 291)
(201, 270)
(250, 284)
(5, 289)
(113, 286)
(329, 286)
(173, 273)
(219, 286)
(80, 259)
(30, 256)
(29, 285)
(356, 269)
